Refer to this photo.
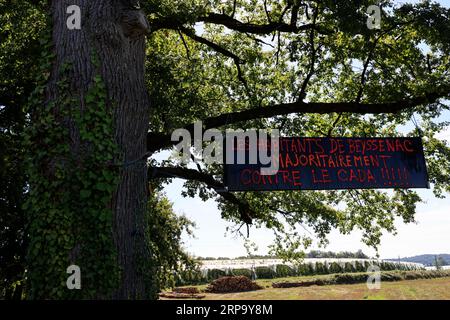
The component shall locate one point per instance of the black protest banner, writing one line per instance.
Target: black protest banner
(331, 163)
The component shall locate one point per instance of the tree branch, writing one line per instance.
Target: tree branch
(234, 9)
(325, 107)
(294, 14)
(191, 34)
(267, 11)
(237, 61)
(366, 65)
(185, 45)
(314, 50)
(234, 24)
(362, 83)
(245, 211)
(335, 122)
(156, 141)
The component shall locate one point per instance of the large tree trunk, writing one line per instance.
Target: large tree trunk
(117, 33)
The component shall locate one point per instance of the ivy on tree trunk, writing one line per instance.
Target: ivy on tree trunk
(95, 172)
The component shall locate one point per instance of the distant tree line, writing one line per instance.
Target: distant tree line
(312, 254)
(339, 255)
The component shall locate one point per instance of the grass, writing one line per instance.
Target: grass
(401, 290)
(438, 288)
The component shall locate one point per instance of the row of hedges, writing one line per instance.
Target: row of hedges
(281, 270)
(349, 278)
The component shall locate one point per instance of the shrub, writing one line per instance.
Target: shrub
(304, 269)
(389, 266)
(359, 267)
(311, 269)
(349, 267)
(284, 271)
(320, 268)
(242, 272)
(392, 276)
(265, 273)
(232, 284)
(187, 277)
(410, 276)
(348, 278)
(214, 274)
(335, 268)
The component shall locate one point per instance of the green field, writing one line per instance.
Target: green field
(438, 288)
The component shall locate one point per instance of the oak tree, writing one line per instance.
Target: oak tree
(103, 99)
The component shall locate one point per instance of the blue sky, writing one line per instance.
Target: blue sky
(431, 233)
